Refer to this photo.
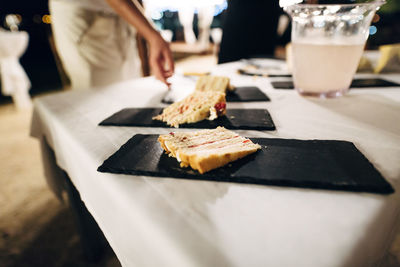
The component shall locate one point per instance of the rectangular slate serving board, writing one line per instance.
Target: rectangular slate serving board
(244, 119)
(357, 83)
(250, 73)
(320, 164)
(240, 94)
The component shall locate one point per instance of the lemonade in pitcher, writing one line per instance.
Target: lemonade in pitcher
(327, 44)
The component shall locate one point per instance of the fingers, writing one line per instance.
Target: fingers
(161, 61)
(169, 62)
(166, 63)
(158, 69)
(163, 68)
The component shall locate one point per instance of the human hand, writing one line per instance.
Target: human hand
(160, 59)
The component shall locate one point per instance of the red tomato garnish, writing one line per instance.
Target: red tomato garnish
(220, 107)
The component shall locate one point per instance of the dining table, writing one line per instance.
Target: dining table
(165, 221)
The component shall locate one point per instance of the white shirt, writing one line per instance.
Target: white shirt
(95, 5)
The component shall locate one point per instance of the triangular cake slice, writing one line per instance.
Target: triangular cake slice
(213, 83)
(206, 150)
(195, 107)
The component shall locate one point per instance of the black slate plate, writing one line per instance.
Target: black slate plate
(322, 164)
(251, 73)
(245, 119)
(246, 94)
(357, 83)
(240, 94)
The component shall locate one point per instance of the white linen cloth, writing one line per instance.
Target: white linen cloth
(150, 221)
(14, 81)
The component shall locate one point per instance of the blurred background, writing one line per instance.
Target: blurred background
(29, 212)
(43, 67)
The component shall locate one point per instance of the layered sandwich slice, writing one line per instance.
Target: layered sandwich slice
(213, 83)
(195, 107)
(206, 150)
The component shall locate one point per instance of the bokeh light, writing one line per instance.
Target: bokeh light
(372, 30)
(46, 19)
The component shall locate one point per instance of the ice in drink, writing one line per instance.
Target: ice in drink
(324, 70)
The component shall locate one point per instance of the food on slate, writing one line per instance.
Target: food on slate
(214, 83)
(195, 107)
(206, 150)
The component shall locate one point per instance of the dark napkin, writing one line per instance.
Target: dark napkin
(322, 164)
(357, 83)
(245, 119)
(240, 94)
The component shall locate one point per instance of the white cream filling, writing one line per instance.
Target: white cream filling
(177, 154)
(213, 114)
(166, 145)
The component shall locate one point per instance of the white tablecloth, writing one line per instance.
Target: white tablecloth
(174, 222)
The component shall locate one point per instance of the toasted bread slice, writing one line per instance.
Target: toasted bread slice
(195, 107)
(213, 83)
(206, 150)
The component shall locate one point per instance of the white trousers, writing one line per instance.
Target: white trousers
(96, 48)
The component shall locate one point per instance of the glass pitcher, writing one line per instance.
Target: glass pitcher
(327, 43)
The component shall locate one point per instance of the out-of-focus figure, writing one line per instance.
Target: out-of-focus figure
(186, 9)
(14, 81)
(249, 30)
(96, 41)
(205, 12)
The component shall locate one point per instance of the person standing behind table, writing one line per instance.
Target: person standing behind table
(96, 41)
(249, 29)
